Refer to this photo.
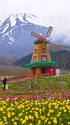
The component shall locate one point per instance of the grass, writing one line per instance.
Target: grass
(52, 82)
(41, 82)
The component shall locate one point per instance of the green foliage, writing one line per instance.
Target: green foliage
(62, 59)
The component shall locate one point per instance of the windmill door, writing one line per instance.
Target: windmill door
(44, 70)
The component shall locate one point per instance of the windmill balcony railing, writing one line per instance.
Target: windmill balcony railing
(40, 64)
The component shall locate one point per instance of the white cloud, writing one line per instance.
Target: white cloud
(61, 32)
(42, 8)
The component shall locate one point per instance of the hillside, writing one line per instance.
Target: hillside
(4, 61)
(62, 59)
(23, 61)
(61, 47)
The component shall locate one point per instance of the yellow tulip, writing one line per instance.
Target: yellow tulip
(15, 123)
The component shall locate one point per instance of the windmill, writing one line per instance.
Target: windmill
(41, 61)
(44, 40)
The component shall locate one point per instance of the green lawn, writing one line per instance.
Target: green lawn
(41, 82)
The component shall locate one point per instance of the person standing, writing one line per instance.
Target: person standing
(4, 81)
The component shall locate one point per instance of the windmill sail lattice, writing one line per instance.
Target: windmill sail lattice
(44, 40)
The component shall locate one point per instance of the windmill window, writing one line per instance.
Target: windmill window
(34, 59)
(44, 58)
(35, 51)
(43, 50)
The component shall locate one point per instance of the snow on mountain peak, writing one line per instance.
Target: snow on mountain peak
(33, 19)
(13, 20)
(20, 16)
(24, 18)
(27, 18)
(5, 28)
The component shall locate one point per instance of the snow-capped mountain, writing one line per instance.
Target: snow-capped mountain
(15, 34)
(20, 22)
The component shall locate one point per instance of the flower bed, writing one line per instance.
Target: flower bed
(36, 95)
(42, 107)
(35, 113)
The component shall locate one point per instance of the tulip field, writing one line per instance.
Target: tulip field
(46, 104)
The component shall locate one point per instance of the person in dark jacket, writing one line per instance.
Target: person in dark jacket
(31, 86)
(4, 81)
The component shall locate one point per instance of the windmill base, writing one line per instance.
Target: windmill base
(42, 70)
(42, 67)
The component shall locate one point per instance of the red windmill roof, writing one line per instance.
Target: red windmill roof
(40, 39)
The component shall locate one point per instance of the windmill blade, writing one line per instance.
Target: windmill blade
(44, 40)
(36, 35)
(49, 32)
(52, 45)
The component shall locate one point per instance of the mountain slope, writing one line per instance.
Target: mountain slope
(23, 61)
(62, 59)
(61, 47)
